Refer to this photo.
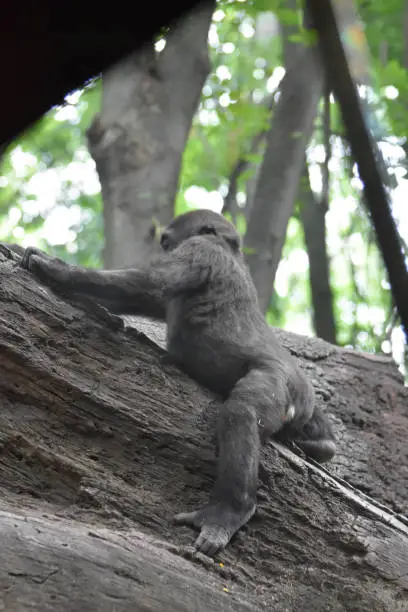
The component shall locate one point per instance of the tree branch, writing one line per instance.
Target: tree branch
(54, 52)
(184, 66)
(281, 168)
(376, 199)
(230, 200)
(312, 213)
(327, 150)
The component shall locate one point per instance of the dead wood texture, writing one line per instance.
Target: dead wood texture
(101, 444)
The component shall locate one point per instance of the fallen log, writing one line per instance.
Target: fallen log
(101, 444)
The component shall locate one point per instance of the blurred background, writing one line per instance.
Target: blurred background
(229, 109)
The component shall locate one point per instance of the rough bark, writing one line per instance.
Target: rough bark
(101, 444)
(138, 139)
(312, 213)
(282, 167)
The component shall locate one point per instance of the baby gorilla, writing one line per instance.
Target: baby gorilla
(217, 334)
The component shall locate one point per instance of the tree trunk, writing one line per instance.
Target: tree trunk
(282, 167)
(101, 445)
(138, 139)
(312, 214)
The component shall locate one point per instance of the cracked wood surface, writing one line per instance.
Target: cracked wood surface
(101, 444)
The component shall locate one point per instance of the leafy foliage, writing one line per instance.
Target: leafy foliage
(50, 195)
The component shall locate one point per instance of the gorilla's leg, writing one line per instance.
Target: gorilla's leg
(315, 438)
(233, 499)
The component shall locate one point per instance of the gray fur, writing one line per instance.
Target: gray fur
(217, 334)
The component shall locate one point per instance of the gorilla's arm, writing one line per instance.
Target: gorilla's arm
(143, 291)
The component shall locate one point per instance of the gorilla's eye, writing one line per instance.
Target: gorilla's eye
(164, 241)
(206, 229)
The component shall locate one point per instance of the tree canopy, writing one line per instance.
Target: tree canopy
(50, 194)
(103, 440)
